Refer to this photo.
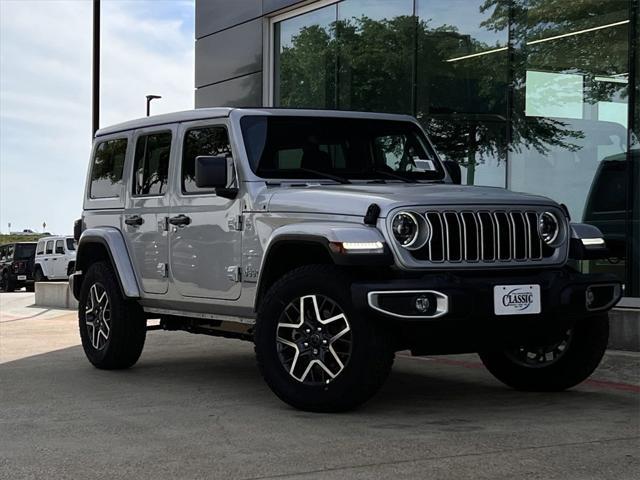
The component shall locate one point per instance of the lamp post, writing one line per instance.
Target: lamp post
(95, 93)
(149, 98)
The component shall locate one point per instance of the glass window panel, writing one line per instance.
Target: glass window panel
(208, 141)
(151, 164)
(106, 172)
(570, 113)
(376, 48)
(305, 60)
(462, 77)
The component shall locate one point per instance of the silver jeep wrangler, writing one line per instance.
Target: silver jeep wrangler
(331, 240)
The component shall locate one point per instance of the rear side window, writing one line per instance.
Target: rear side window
(40, 249)
(59, 247)
(49, 250)
(151, 164)
(106, 172)
(211, 141)
(71, 244)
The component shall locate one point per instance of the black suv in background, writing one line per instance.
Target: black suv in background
(16, 266)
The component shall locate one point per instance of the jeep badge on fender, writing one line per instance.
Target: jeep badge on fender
(331, 240)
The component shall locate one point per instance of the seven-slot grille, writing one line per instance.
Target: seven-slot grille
(483, 236)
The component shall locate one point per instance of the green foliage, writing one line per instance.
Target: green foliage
(403, 65)
(4, 239)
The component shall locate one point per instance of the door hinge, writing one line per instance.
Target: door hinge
(234, 273)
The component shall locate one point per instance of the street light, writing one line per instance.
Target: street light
(149, 98)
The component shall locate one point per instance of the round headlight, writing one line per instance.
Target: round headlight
(405, 228)
(548, 228)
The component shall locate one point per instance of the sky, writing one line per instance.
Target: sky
(45, 93)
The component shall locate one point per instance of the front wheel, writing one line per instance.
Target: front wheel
(560, 365)
(313, 349)
(112, 328)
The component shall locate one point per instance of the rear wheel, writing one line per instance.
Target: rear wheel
(112, 328)
(313, 350)
(6, 283)
(559, 365)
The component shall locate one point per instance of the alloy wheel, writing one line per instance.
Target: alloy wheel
(314, 339)
(98, 316)
(541, 355)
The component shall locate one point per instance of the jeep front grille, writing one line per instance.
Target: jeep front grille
(483, 236)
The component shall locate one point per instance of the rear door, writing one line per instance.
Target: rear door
(47, 263)
(58, 260)
(206, 250)
(147, 207)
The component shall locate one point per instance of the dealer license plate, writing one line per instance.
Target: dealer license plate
(22, 277)
(516, 299)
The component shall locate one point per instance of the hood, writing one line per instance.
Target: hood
(354, 199)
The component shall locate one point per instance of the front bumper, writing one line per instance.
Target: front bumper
(470, 297)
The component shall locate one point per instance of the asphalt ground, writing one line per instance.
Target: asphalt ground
(196, 407)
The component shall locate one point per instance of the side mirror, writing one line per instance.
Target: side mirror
(216, 173)
(453, 169)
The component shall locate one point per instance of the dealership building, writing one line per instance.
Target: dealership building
(539, 96)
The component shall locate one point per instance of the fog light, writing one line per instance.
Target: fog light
(422, 303)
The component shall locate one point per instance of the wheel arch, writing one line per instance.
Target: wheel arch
(105, 244)
(293, 246)
(42, 267)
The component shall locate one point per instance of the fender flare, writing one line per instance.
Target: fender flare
(41, 266)
(325, 233)
(112, 240)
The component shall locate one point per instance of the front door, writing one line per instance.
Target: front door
(145, 218)
(206, 237)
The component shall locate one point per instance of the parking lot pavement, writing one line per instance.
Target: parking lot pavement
(195, 407)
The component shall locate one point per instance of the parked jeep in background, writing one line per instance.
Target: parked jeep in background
(16, 266)
(55, 258)
(331, 240)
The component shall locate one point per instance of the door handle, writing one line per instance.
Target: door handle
(180, 220)
(134, 220)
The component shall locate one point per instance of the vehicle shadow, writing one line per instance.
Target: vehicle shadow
(223, 373)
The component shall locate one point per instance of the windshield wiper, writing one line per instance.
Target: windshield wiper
(394, 175)
(324, 175)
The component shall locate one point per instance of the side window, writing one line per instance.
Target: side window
(3, 253)
(213, 141)
(151, 164)
(59, 247)
(71, 244)
(10, 250)
(40, 248)
(106, 171)
(49, 249)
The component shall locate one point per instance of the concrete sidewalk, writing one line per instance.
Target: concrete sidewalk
(196, 407)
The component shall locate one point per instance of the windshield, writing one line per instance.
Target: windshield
(346, 148)
(24, 252)
(71, 244)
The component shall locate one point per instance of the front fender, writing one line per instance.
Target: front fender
(328, 235)
(112, 241)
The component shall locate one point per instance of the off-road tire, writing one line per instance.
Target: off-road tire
(127, 322)
(584, 352)
(371, 355)
(30, 287)
(38, 276)
(6, 284)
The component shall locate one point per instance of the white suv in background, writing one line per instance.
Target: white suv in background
(55, 258)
